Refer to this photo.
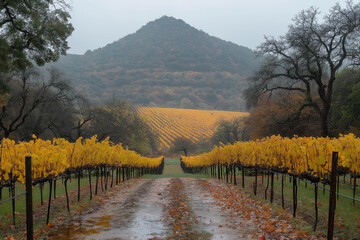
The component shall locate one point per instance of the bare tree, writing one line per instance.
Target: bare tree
(68, 119)
(29, 91)
(308, 57)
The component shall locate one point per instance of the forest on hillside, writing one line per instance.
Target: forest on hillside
(166, 63)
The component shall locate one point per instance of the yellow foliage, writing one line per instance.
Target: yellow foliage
(51, 158)
(172, 123)
(298, 155)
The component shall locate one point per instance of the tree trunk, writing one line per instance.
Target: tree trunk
(324, 123)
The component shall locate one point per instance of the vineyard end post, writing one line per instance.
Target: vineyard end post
(29, 204)
(332, 200)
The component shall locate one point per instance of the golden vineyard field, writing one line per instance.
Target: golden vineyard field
(195, 125)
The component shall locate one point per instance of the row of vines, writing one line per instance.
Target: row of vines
(52, 160)
(306, 158)
(171, 123)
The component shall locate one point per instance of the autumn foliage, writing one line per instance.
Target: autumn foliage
(308, 157)
(51, 158)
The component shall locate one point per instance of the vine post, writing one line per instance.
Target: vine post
(29, 204)
(234, 168)
(49, 203)
(66, 192)
(294, 195)
(255, 183)
(12, 194)
(332, 201)
(272, 187)
(243, 177)
(282, 191)
(316, 205)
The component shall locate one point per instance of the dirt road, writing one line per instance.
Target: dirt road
(176, 208)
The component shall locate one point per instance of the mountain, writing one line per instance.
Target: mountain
(166, 63)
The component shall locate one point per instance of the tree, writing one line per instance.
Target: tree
(307, 58)
(182, 144)
(278, 114)
(351, 111)
(230, 131)
(120, 121)
(29, 91)
(68, 119)
(344, 112)
(32, 31)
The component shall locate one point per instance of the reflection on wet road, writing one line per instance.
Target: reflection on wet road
(132, 215)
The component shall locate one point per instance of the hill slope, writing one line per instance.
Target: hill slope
(165, 63)
(196, 125)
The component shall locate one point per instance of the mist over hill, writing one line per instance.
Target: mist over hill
(166, 63)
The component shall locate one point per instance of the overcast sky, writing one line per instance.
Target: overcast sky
(244, 22)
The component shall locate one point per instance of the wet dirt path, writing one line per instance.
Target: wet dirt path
(170, 208)
(212, 218)
(134, 213)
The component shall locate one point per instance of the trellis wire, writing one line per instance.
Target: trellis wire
(341, 195)
(20, 194)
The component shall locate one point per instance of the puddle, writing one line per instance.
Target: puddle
(133, 215)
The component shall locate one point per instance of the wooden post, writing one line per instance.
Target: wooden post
(78, 186)
(294, 195)
(227, 173)
(97, 180)
(272, 188)
(55, 189)
(90, 184)
(219, 175)
(282, 191)
(41, 193)
(332, 200)
(316, 206)
(66, 192)
(29, 204)
(49, 204)
(243, 177)
(255, 183)
(12, 194)
(234, 167)
(117, 176)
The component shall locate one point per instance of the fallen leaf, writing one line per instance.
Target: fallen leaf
(50, 225)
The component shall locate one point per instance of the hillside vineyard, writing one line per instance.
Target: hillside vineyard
(169, 124)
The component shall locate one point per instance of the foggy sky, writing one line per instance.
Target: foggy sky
(244, 22)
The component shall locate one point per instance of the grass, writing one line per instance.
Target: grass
(6, 208)
(172, 169)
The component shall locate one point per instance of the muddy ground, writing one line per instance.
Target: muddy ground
(179, 208)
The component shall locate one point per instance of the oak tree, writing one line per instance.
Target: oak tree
(307, 58)
(32, 31)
